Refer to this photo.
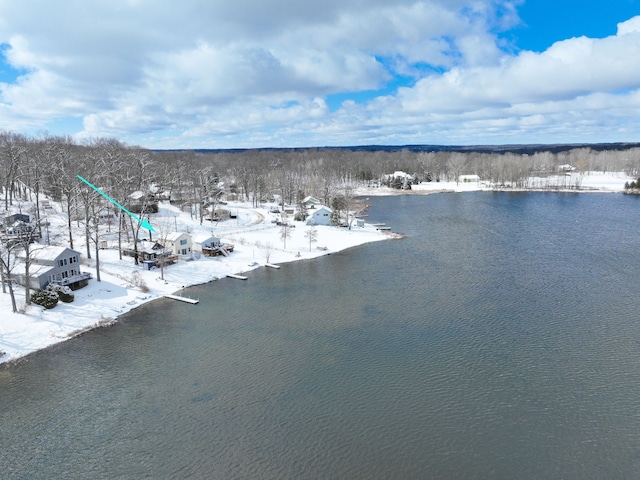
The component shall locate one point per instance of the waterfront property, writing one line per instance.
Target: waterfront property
(321, 216)
(151, 252)
(204, 241)
(179, 243)
(50, 264)
(211, 245)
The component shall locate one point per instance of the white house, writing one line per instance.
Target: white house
(566, 168)
(179, 243)
(321, 216)
(202, 240)
(468, 178)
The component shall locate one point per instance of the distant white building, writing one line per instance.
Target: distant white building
(566, 168)
(399, 179)
(468, 178)
(399, 174)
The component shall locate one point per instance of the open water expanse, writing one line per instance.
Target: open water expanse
(499, 340)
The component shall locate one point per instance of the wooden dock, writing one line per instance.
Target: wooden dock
(193, 301)
(271, 265)
(237, 277)
(381, 226)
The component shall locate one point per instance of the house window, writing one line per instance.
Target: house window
(65, 261)
(60, 263)
(183, 241)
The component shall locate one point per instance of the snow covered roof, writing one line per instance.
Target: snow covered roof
(138, 194)
(146, 247)
(400, 173)
(203, 237)
(173, 236)
(44, 253)
(311, 200)
(322, 207)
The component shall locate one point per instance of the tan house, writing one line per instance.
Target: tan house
(179, 243)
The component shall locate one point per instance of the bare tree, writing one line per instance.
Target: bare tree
(7, 264)
(24, 239)
(285, 230)
(312, 235)
(267, 250)
(12, 151)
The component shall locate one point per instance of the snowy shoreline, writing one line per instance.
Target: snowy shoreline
(125, 286)
(257, 241)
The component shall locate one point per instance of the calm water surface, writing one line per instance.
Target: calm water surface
(501, 339)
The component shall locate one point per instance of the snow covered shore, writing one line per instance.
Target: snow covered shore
(257, 241)
(124, 285)
(575, 182)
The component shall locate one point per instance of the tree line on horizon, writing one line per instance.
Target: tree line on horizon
(49, 165)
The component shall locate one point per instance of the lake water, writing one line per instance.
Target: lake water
(500, 339)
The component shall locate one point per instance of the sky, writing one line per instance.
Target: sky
(292, 73)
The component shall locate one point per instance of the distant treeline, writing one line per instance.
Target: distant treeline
(336, 166)
(195, 178)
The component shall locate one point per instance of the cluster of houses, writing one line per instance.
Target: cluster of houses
(175, 245)
(61, 265)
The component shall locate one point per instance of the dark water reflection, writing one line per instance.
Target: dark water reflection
(499, 340)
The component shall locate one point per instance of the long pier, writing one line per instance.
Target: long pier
(193, 301)
(237, 277)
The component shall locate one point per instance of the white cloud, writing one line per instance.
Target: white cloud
(228, 74)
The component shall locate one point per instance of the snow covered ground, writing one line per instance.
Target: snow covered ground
(591, 181)
(254, 235)
(100, 303)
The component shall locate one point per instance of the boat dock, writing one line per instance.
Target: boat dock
(237, 277)
(193, 301)
(381, 226)
(271, 265)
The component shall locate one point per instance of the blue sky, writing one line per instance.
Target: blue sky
(546, 21)
(290, 73)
